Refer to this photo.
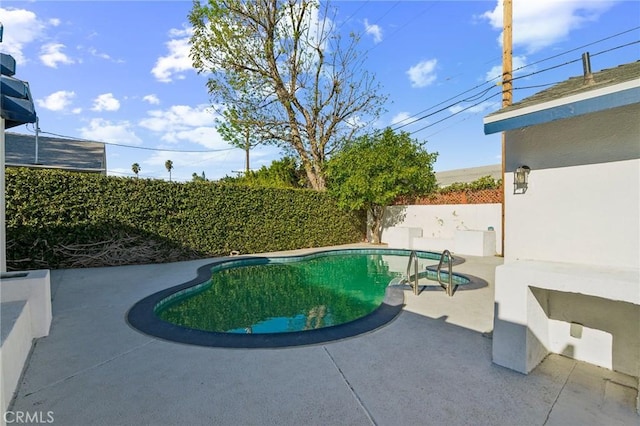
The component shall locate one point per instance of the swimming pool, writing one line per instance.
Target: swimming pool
(282, 301)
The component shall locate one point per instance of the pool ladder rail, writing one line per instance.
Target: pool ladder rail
(448, 285)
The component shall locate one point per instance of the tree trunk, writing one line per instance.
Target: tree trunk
(377, 214)
(316, 177)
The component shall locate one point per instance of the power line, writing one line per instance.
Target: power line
(138, 147)
(575, 60)
(580, 47)
(573, 50)
(351, 16)
(457, 112)
(615, 48)
(401, 27)
(536, 86)
(512, 79)
(469, 99)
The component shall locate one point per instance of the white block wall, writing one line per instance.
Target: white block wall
(440, 222)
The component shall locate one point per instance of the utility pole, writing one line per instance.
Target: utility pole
(507, 88)
(247, 147)
(37, 136)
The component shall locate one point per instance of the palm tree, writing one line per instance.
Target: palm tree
(135, 167)
(169, 166)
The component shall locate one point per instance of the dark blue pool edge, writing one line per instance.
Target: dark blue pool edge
(142, 317)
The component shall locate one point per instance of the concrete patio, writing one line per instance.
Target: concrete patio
(431, 365)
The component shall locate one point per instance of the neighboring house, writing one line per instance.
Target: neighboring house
(55, 153)
(468, 175)
(570, 282)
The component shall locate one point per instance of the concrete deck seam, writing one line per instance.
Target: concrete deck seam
(16, 391)
(566, 380)
(93, 367)
(351, 389)
(54, 291)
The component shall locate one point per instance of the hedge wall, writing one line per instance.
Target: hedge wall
(59, 219)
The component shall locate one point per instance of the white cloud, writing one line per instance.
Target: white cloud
(205, 136)
(495, 73)
(182, 123)
(423, 73)
(400, 117)
(94, 52)
(57, 101)
(54, 22)
(21, 27)
(177, 60)
(152, 99)
(541, 23)
(182, 116)
(373, 30)
(107, 131)
(51, 55)
(106, 102)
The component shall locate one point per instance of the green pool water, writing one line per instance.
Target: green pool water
(276, 295)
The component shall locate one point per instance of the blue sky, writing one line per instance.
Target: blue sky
(119, 72)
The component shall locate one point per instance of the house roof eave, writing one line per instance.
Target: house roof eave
(601, 99)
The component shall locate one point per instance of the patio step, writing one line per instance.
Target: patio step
(25, 299)
(15, 344)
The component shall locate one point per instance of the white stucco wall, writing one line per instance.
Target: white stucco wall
(440, 222)
(570, 282)
(583, 200)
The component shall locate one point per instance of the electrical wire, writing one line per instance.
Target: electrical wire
(469, 99)
(138, 147)
(579, 48)
(526, 75)
(575, 60)
(456, 113)
(616, 48)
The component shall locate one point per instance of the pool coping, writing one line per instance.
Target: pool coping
(142, 318)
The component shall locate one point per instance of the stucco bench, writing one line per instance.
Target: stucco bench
(400, 236)
(589, 313)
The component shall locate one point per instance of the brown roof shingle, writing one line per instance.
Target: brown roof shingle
(575, 85)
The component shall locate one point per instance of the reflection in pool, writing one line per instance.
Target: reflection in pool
(274, 297)
(275, 302)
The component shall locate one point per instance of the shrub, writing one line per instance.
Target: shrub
(62, 219)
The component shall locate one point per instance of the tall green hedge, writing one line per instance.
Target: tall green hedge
(51, 213)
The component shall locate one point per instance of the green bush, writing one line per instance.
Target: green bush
(53, 216)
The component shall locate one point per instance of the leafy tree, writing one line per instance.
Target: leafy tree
(169, 166)
(283, 173)
(198, 178)
(135, 168)
(374, 170)
(239, 130)
(283, 65)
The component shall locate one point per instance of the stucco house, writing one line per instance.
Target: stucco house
(468, 175)
(570, 282)
(55, 153)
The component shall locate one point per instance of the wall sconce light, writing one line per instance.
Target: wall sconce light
(521, 180)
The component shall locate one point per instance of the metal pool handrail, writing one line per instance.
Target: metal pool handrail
(413, 256)
(449, 287)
